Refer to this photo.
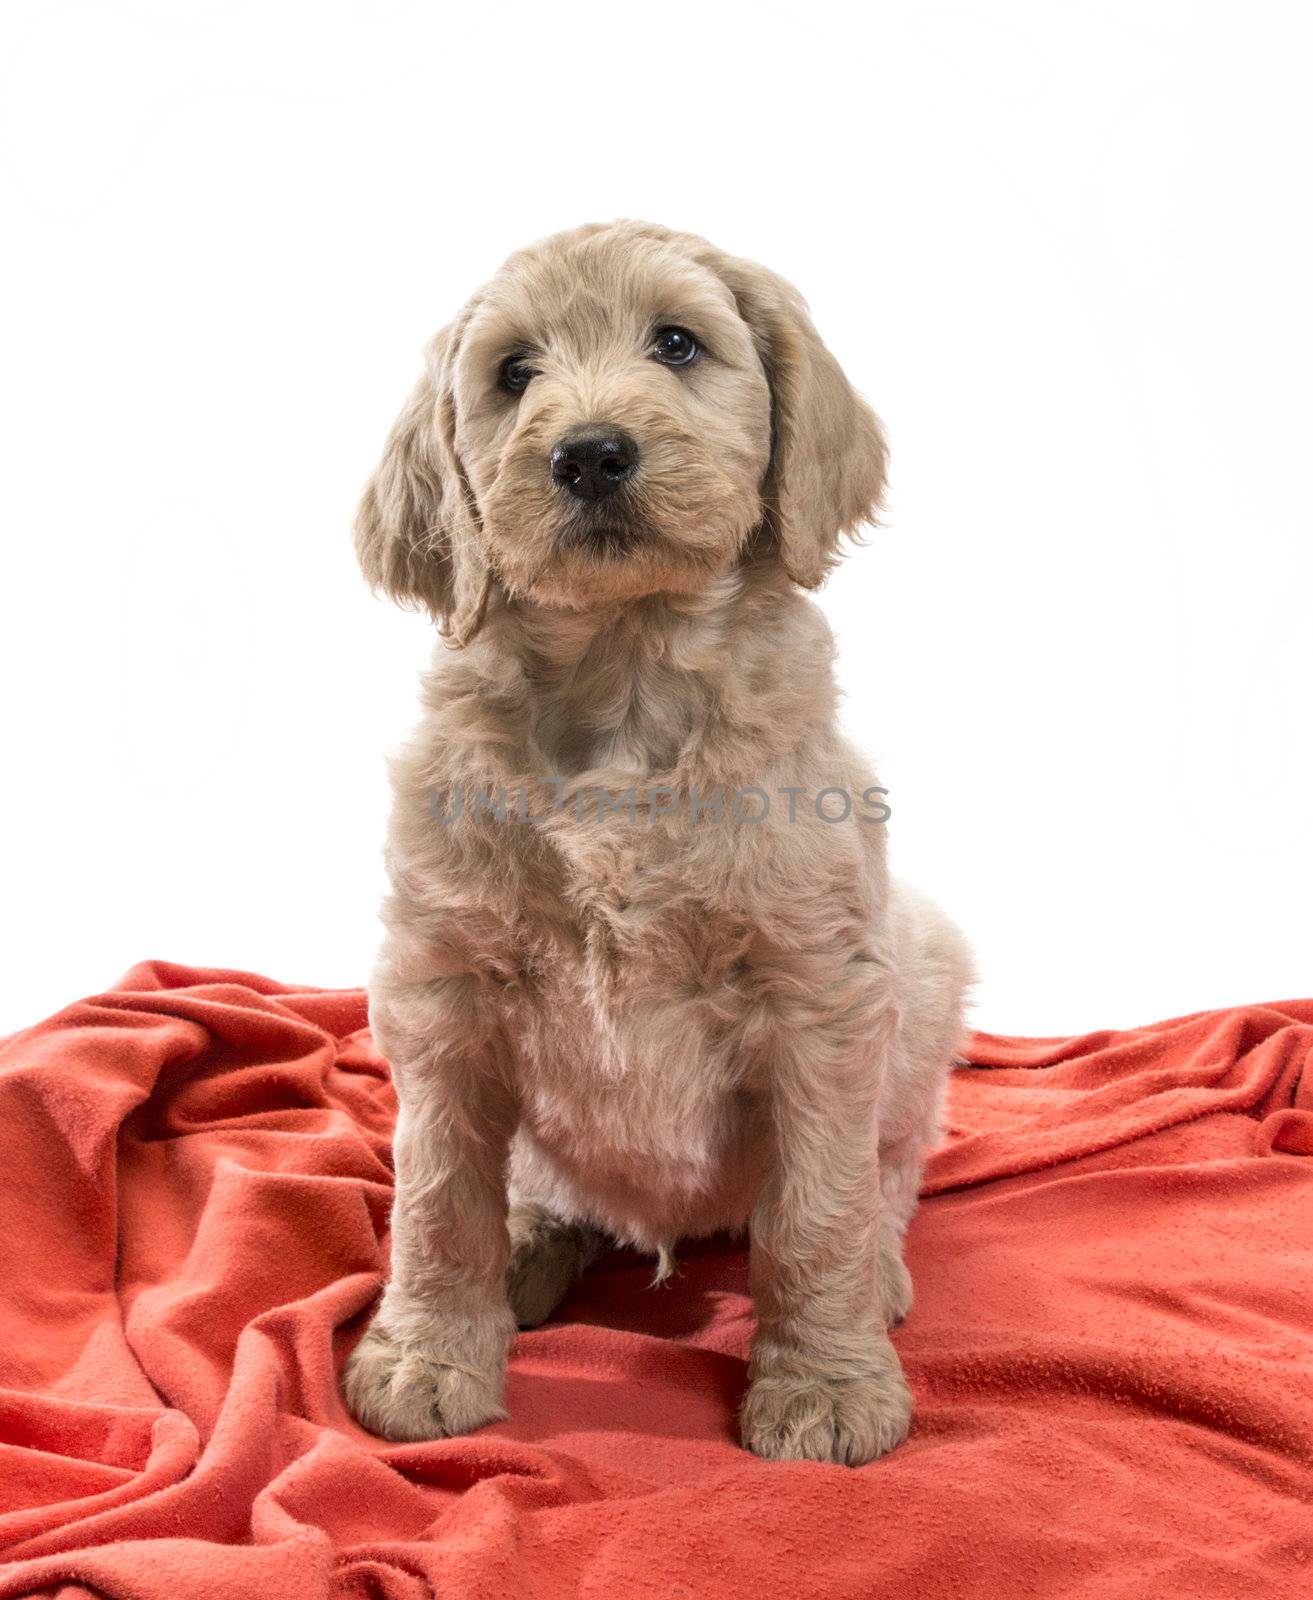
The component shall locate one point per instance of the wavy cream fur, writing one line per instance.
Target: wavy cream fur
(643, 1029)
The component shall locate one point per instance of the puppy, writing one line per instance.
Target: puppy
(643, 979)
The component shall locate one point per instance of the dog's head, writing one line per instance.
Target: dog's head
(622, 411)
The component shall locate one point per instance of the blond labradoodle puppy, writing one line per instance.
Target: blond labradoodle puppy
(644, 978)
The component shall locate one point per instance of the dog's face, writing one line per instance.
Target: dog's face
(621, 411)
(613, 418)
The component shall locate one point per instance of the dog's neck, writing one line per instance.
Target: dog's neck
(630, 686)
(623, 686)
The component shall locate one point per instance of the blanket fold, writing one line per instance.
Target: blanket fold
(1111, 1348)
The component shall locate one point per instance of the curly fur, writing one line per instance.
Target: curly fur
(643, 1027)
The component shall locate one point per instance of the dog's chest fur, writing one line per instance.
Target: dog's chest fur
(635, 954)
(624, 1023)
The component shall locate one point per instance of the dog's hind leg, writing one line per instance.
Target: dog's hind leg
(547, 1256)
(900, 1182)
(935, 970)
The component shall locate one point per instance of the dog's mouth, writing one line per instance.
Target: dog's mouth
(604, 538)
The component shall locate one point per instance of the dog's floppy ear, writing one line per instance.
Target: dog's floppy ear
(828, 451)
(416, 529)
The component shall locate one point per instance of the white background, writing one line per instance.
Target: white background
(1064, 249)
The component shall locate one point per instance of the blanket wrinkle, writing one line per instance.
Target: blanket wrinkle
(1111, 1347)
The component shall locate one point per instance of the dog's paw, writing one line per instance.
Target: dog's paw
(547, 1257)
(894, 1283)
(809, 1416)
(409, 1390)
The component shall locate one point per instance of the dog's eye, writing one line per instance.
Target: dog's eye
(675, 347)
(514, 374)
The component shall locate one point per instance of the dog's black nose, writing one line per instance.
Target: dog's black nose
(594, 463)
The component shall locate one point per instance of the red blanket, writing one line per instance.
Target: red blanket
(1112, 1345)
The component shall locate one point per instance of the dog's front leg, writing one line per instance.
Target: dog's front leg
(433, 1362)
(825, 1382)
